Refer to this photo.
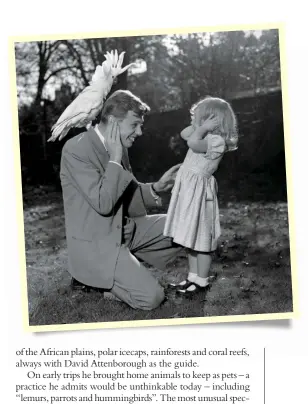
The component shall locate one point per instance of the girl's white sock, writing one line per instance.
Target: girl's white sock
(192, 277)
(201, 281)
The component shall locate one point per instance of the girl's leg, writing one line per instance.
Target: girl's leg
(204, 261)
(201, 278)
(193, 269)
(193, 263)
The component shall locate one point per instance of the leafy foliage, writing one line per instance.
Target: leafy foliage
(174, 72)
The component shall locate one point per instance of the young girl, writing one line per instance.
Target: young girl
(193, 214)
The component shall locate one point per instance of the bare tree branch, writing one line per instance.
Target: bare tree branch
(76, 55)
(55, 72)
(52, 48)
(92, 53)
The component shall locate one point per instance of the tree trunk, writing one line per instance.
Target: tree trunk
(42, 73)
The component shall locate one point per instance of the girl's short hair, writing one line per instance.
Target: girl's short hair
(227, 128)
(122, 101)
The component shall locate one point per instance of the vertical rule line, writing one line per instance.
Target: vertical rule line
(264, 385)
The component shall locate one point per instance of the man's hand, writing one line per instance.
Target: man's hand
(113, 141)
(166, 182)
(128, 231)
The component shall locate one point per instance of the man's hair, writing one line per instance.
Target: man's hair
(120, 102)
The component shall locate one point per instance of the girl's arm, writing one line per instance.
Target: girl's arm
(213, 145)
(196, 144)
(197, 141)
(185, 134)
(208, 125)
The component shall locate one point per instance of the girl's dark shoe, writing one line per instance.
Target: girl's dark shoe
(176, 286)
(194, 291)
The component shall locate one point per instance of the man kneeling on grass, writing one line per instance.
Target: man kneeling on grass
(108, 230)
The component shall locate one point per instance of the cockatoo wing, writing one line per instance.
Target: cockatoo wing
(81, 111)
(83, 103)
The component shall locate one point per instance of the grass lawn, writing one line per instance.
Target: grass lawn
(252, 267)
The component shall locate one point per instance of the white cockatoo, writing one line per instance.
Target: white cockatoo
(86, 106)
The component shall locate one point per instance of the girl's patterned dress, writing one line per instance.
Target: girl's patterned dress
(193, 214)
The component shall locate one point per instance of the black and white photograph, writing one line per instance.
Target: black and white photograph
(154, 181)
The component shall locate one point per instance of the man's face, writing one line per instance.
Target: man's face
(130, 128)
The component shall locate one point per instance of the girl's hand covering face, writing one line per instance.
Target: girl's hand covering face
(210, 124)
